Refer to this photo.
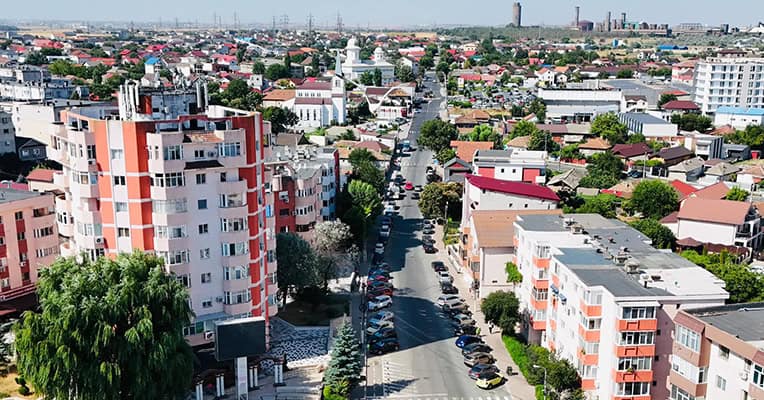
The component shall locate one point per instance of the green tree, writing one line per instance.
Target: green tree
(742, 284)
(348, 134)
(404, 73)
(297, 264)
(442, 70)
(288, 64)
(36, 58)
(636, 138)
(602, 204)
(483, 133)
(542, 140)
(237, 88)
(366, 78)
(258, 68)
(106, 329)
(737, 194)
(570, 152)
(377, 77)
(513, 273)
(752, 135)
(523, 128)
(367, 172)
(561, 375)
(426, 62)
(437, 135)
(437, 195)
(654, 199)
(280, 118)
(604, 171)
(661, 236)
(692, 122)
(609, 127)
(360, 155)
(274, 72)
(501, 309)
(343, 373)
(625, 74)
(665, 98)
(538, 107)
(445, 155)
(365, 197)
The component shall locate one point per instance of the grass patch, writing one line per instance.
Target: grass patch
(315, 313)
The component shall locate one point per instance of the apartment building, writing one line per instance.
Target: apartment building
(28, 240)
(306, 182)
(168, 175)
(717, 353)
(7, 133)
(599, 295)
(729, 82)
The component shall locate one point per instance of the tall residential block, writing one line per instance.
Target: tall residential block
(166, 174)
(517, 14)
(730, 80)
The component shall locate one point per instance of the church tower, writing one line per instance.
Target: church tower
(339, 99)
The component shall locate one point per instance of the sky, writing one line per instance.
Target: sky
(389, 13)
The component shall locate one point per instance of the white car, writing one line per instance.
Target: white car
(379, 248)
(448, 297)
(381, 316)
(374, 326)
(445, 277)
(380, 302)
(384, 231)
(452, 302)
(389, 209)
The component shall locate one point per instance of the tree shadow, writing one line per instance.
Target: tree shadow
(389, 388)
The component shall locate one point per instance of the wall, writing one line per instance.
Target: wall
(706, 232)
(493, 275)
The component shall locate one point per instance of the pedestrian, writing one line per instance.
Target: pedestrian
(490, 327)
(477, 331)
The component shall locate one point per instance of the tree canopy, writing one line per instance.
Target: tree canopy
(743, 284)
(501, 309)
(107, 329)
(542, 140)
(661, 236)
(604, 171)
(752, 135)
(437, 195)
(609, 127)
(736, 194)
(654, 199)
(275, 72)
(360, 155)
(692, 122)
(602, 204)
(345, 364)
(367, 172)
(280, 118)
(437, 135)
(665, 98)
(365, 197)
(445, 155)
(297, 263)
(523, 128)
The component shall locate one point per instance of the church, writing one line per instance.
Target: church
(321, 103)
(353, 66)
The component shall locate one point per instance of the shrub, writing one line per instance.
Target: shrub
(518, 353)
(24, 391)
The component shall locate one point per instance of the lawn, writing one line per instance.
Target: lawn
(315, 313)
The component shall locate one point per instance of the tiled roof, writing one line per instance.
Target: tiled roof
(316, 101)
(671, 153)
(509, 187)
(316, 85)
(726, 212)
(595, 144)
(496, 228)
(41, 175)
(632, 150)
(466, 149)
(714, 192)
(682, 105)
(682, 188)
(279, 95)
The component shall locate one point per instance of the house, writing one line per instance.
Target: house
(632, 151)
(472, 119)
(719, 222)
(706, 146)
(29, 149)
(736, 152)
(682, 189)
(518, 143)
(688, 170)
(750, 177)
(673, 155)
(679, 107)
(455, 170)
(593, 146)
(511, 165)
(717, 191)
(636, 103)
(466, 150)
(623, 189)
(490, 245)
(41, 180)
(649, 126)
(721, 171)
(283, 98)
(566, 181)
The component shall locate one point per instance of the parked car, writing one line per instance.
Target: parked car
(464, 340)
(444, 276)
(463, 319)
(465, 330)
(384, 231)
(373, 327)
(438, 266)
(428, 231)
(408, 186)
(428, 248)
(415, 196)
(448, 298)
(428, 239)
(489, 381)
(379, 248)
(447, 288)
(476, 347)
(389, 209)
(383, 333)
(375, 285)
(481, 370)
(381, 316)
(380, 302)
(384, 346)
(473, 359)
(386, 220)
(377, 278)
(418, 188)
(373, 293)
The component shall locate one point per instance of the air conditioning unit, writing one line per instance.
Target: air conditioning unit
(209, 335)
(744, 376)
(99, 240)
(219, 299)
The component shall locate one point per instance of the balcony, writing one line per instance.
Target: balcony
(586, 358)
(542, 263)
(540, 283)
(588, 335)
(236, 309)
(692, 388)
(646, 350)
(633, 376)
(236, 285)
(637, 324)
(590, 310)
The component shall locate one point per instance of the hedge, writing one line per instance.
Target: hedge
(519, 353)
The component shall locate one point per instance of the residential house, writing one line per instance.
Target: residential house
(739, 118)
(717, 191)
(720, 222)
(673, 155)
(472, 119)
(720, 171)
(466, 150)
(283, 98)
(567, 181)
(41, 180)
(649, 126)
(679, 107)
(455, 170)
(736, 152)
(593, 146)
(750, 177)
(636, 103)
(511, 165)
(30, 150)
(706, 146)
(518, 143)
(689, 170)
(632, 152)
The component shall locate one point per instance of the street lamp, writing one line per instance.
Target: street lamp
(540, 367)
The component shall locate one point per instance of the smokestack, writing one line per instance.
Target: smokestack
(609, 22)
(623, 20)
(577, 15)
(517, 10)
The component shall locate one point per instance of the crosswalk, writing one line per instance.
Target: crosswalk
(396, 381)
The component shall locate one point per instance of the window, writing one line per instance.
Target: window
(207, 303)
(170, 179)
(633, 389)
(204, 253)
(206, 277)
(174, 257)
(201, 204)
(42, 232)
(117, 154)
(634, 363)
(223, 176)
(91, 152)
(688, 370)
(724, 353)
(170, 232)
(637, 338)
(169, 206)
(173, 152)
(235, 273)
(123, 232)
(184, 280)
(687, 338)
(5, 282)
(120, 206)
(198, 153)
(234, 249)
(758, 375)
(119, 180)
(18, 215)
(721, 383)
(203, 229)
(679, 394)
(2, 240)
(201, 179)
(638, 312)
(232, 200)
(229, 149)
(242, 296)
(233, 224)
(21, 236)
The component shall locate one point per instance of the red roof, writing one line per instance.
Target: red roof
(683, 188)
(684, 105)
(41, 175)
(676, 92)
(518, 188)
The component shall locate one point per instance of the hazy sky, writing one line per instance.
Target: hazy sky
(389, 12)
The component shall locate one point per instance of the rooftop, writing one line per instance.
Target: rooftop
(744, 321)
(726, 212)
(495, 228)
(466, 149)
(509, 187)
(11, 195)
(643, 118)
(758, 112)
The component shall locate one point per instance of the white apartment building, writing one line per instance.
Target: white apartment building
(729, 81)
(597, 294)
(738, 118)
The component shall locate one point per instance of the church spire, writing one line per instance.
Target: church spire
(338, 64)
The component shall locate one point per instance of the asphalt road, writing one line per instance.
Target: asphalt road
(429, 365)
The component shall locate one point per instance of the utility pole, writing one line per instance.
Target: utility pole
(176, 23)
(339, 24)
(214, 20)
(273, 25)
(235, 21)
(310, 25)
(285, 22)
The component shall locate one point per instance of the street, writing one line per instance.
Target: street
(428, 365)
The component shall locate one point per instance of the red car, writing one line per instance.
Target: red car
(409, 186)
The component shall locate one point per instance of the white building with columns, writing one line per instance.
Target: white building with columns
(353, 66)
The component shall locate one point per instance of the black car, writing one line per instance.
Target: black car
(448, 288)
(428, 231)
(481, 369)
(415, 196)
(428, 239)
(438, 266)
(384, 346)
(476, 347)
(465, 330)
(428, 248)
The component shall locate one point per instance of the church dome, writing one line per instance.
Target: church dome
(379, 55)
(352, 44)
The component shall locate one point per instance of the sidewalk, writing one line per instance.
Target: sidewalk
(516, 384)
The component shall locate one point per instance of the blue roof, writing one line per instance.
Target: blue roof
(671, 47)
(759, 112)
(152, 60)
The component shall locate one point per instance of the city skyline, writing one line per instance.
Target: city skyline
(394, 13)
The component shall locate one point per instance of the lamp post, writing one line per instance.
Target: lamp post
(540, 367)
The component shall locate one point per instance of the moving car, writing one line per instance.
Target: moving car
(476, 347)
(489, 381)
(408, 186)
(481, 370)
(380, 302)
(383, 333)
(464, 340)
(373, 327)
(473, 359)
(448, 298)
(384, 346)
(428, 248)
